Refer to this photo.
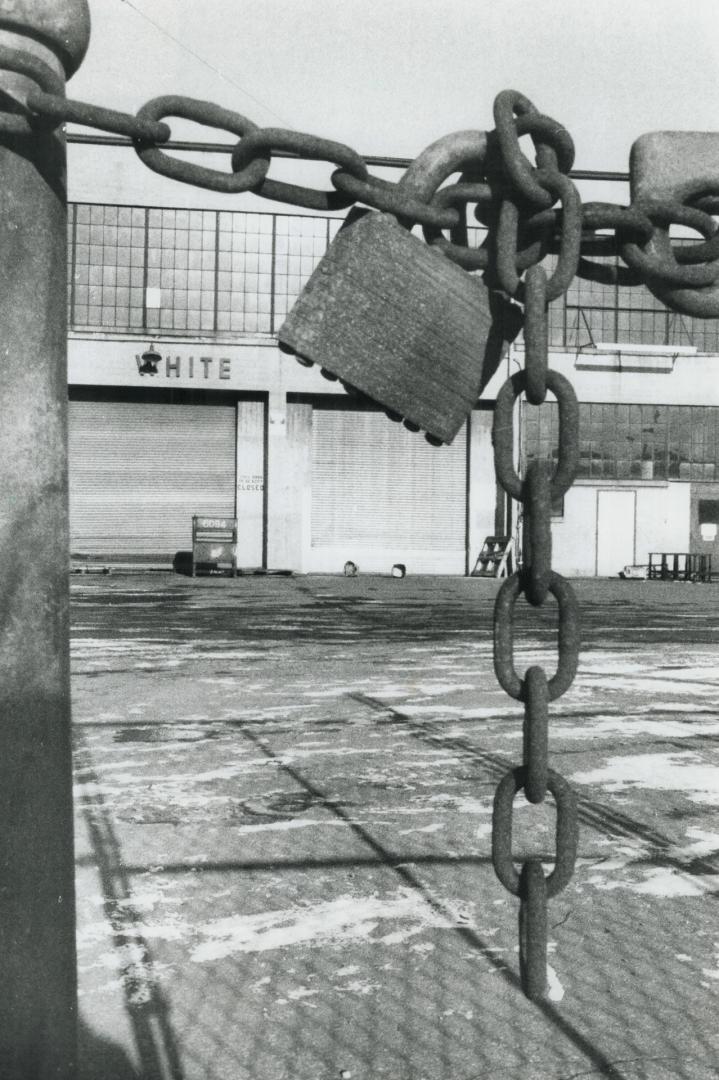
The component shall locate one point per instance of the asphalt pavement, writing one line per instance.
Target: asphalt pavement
(283, 801)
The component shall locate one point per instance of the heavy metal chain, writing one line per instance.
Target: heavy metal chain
(517, 203)
(542, 483)
(604, 228)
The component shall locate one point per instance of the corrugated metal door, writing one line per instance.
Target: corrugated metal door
(139, 471)
(377, 485)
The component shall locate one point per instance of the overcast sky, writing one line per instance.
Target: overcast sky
(390, 76)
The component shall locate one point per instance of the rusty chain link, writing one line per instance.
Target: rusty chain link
(516, 202)
(567, 636)
(535, 187)
(23, 63)
(50, 106)
(503, 435)
(310, 147)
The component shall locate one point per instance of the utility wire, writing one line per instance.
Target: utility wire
(371, 159)
(207, 64)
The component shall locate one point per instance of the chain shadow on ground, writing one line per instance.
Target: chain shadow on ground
(155, 1038)
(145, 1002)
(102, 1059)
(619, 957)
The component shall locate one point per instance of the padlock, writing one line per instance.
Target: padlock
(677, 168)
(394, 318)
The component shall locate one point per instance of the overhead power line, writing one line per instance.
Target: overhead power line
(207, 64)
(375, 160)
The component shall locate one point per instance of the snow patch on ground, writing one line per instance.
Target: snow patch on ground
(705, 843)
(332, 922)
(434, 827)
(713, 973)
(626, 868)
(597, 726)
(463, 804)
(555, 990)
(683, 771)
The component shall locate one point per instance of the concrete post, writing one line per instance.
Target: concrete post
(250, 500)
(482, 484)
(289, 438)
(38, 1000)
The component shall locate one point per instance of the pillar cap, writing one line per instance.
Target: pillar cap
(62, 25)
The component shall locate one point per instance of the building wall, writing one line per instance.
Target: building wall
(276, 491)
(585, 537)
(395, 499)
(210, 286)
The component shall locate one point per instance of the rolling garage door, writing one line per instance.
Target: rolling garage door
(140, 470)
(376, 485)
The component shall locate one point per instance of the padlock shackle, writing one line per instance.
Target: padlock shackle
(452, 153)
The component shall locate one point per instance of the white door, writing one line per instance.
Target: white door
(615, 531)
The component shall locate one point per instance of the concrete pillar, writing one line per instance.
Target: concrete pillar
(287, 469)
(250, 497)
(299, 419)
(38, 999)
(482, 494)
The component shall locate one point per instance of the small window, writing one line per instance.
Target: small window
(709, 511)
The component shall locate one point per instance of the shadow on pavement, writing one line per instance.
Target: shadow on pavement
(102, 1059)
(145, 1002)
(634, 1010)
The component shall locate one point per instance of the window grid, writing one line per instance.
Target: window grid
(107, 264)
(181, 265)
(631, 442)
(245, 252)
(300, 244)
(236, 272)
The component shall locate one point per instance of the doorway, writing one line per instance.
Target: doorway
(616, 527)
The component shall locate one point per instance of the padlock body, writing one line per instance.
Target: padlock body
(394, 318)
(675, 165)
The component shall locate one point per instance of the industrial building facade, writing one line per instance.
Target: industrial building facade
(230, 426)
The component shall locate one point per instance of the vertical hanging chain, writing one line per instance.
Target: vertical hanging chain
(544, 481)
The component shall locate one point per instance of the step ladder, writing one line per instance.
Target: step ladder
(493, 559)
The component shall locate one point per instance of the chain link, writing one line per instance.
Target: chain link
(533, 929)
(566, 830)
(567, 635)
(385, 195)
(503, 434)
(537, 532)
(660, 264)
(64, 110)
(202, 112)
(535, 733)
(310, 147)
(23, 63)
(536, 336)
(529, 182)
(459, 196)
